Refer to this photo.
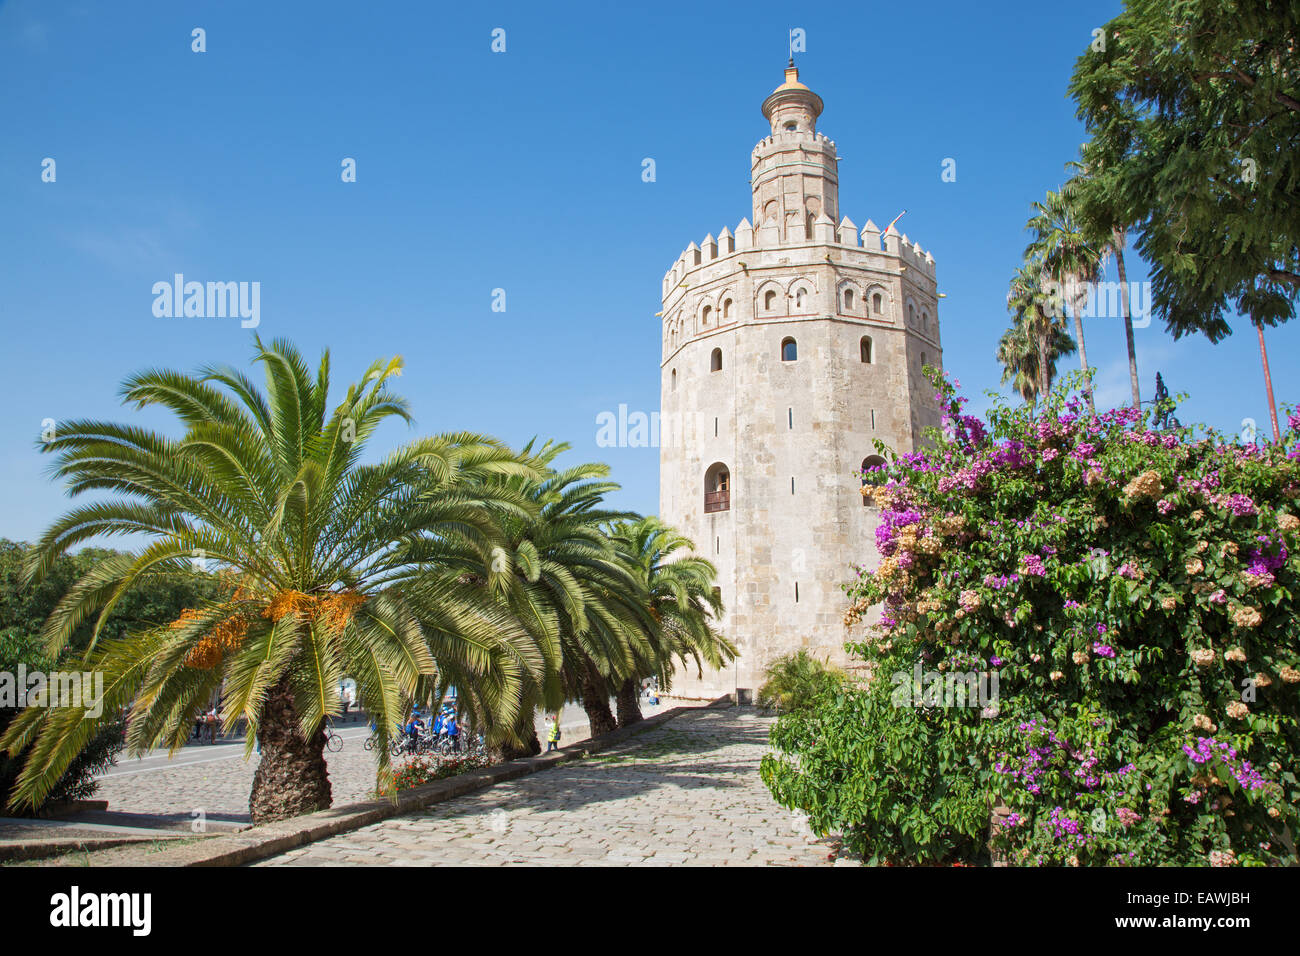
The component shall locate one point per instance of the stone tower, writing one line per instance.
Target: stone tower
(789, 346)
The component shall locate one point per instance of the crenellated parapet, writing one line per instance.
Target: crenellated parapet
(869, 244)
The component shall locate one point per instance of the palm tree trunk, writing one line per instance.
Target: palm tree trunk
(1044, 370)
(1268, 384)
(595, 701)
(1128, 319)
(291, 778)
(531, 747)
(629, 709)
(1078, 302)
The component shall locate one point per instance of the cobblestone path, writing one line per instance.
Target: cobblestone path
(685, 793)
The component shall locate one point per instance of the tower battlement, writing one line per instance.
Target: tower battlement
(869, 240)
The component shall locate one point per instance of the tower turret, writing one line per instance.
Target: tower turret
(795, 173)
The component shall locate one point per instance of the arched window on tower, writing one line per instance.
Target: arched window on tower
(706, 315)
(925, 321)
(717, 488)
(868, 350)
(726, 309)
(789, 351)
(878, 304)
(769, 301)
(674, 380)
(800, 297)
(715, 361)
(848, 300)
(872, 474)
(911, 314)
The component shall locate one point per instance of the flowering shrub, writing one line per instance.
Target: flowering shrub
(426, 768)
(1136, 594)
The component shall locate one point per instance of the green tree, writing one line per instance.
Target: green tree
(798, 681)
(23, 611)
(1019, 357)
(1070, 255)
(570, 587)
(1037, 324)
(683, 605)
(1193, 113)
(328, 567)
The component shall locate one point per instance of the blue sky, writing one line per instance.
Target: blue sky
(518, 170)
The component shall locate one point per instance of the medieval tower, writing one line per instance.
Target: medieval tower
(789, 346)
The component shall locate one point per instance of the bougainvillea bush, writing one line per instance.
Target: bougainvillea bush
(1133, 591)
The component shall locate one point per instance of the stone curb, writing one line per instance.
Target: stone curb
(272, 839)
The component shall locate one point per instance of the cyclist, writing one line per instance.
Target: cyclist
(412, 729)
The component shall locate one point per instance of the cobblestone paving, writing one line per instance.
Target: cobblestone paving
(221, 783)
(685, 793)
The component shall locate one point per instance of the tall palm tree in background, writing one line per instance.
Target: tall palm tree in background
(1037, 308)
(1101, 211)
(1070, 255)
(683, 604)
(331, 567)
(1019, 357)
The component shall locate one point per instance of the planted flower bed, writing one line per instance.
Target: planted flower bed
(415, 771)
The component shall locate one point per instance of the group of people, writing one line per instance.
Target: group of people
(444, 723)
(207, 726)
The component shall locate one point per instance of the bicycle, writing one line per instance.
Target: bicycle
(333, 742)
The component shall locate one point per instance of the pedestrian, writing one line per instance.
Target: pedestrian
(213, 722)
(552, 733)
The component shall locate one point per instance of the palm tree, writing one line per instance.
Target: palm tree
(1019, 357)
(1070, 256)
(1037, 308)
(1101, 212)
(683, 604)
(332, 568)
(795, 681)
(571, 588)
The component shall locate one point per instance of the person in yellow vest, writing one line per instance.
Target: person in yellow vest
(552, 733)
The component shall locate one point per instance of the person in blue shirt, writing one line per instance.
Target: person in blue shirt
(452, 728)
(412, 729)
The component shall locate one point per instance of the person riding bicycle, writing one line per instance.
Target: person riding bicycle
(451, 727)
(412, 730)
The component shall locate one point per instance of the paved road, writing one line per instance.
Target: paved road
(685, 793)
(211, 782)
